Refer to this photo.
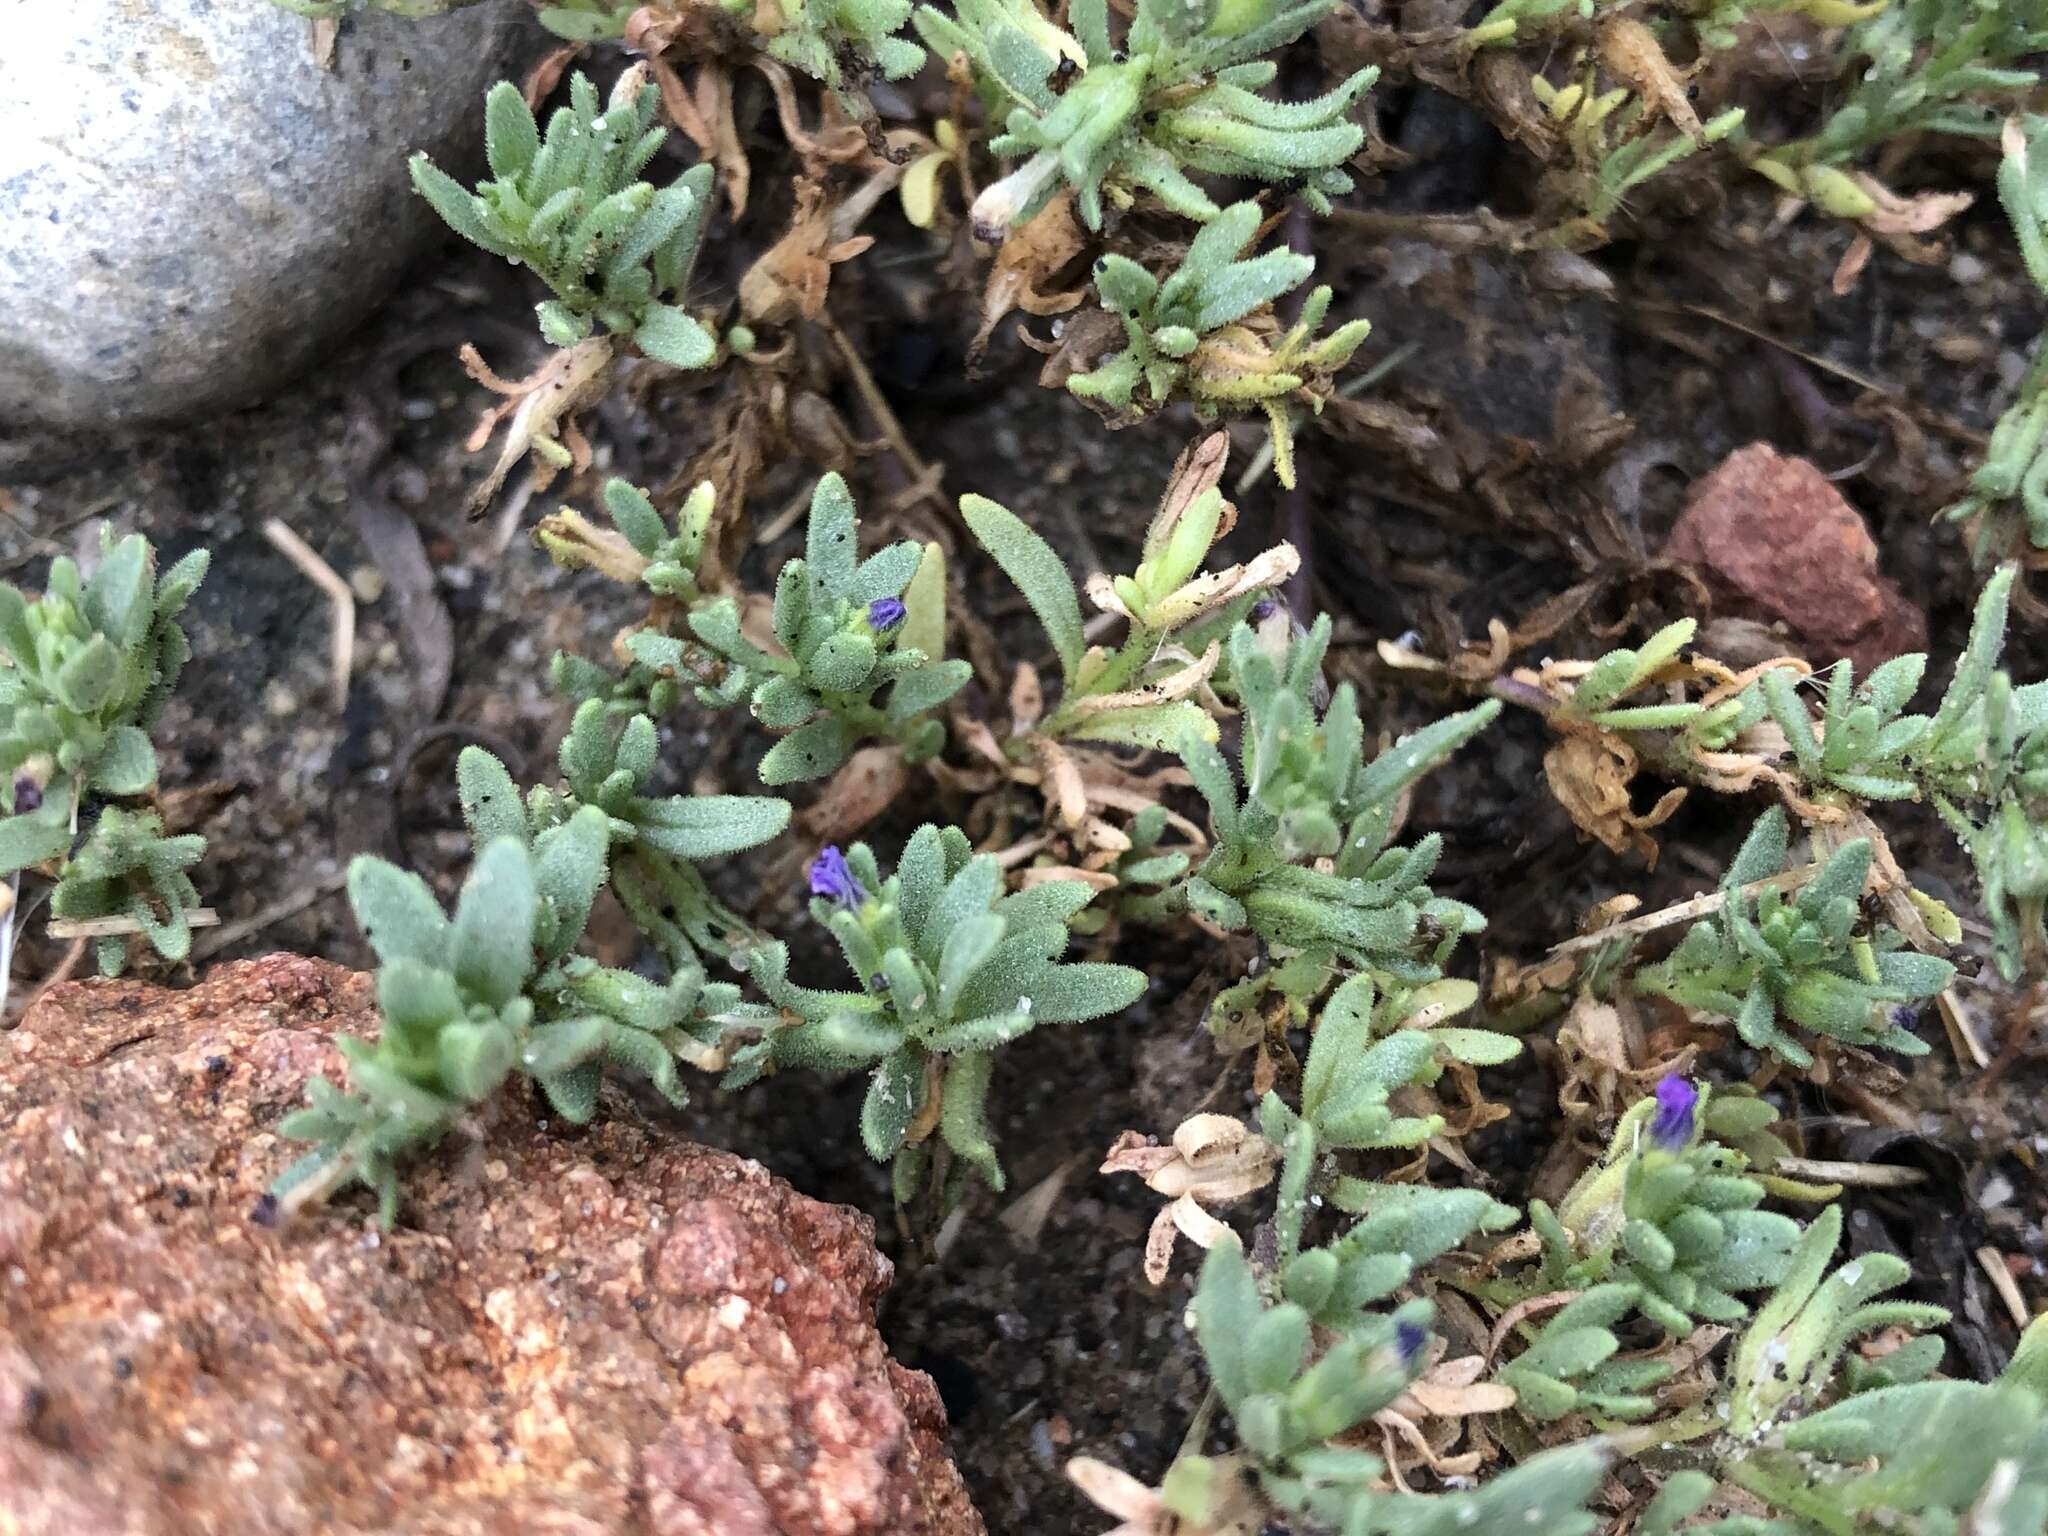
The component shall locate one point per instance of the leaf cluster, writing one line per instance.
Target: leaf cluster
(1768, 960)
(654, 840)
(496, 990)
(1180, 94)
(615, 251)
(640, 548)
(2006, 499)
(1790, 1353)
(1309, 795)
(1615, 145)
(947, 968)
(1206, 333)
(843, 44)
(1924, 66)
(1677, 1219)
(1298, 1354)
(840, 623)
(129, 867)
(1136, 695)
(1602, 697)
(88, 667)
(588, 21)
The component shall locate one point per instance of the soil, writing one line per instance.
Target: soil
(1720, 329)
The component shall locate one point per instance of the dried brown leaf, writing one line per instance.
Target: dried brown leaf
(1029, 259)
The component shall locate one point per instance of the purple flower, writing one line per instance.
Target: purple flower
(28, 795)
(1671, 1126)
(885, 613)
(1263, 610)
(1409, 1341)
(831, 879)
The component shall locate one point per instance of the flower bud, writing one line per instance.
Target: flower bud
(1677, 1101)
(831, 879)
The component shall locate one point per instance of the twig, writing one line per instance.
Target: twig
(57, 977)
(1811, 359)
(276, 912)
(924, 478)
(1943, 423)
(114, 927)
(1860, 1175)
(1684, 911)
(1962, 1031)
(322, 575)
(1478, 230)
(784, 520)
(2002, 1282)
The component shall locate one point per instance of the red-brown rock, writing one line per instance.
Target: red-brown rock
(1773, 533)
(595, 1334)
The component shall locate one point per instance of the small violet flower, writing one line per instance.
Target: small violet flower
(1409, 1340)
(1671, 1127)
(1263, 610)
(831, 879)
(28, 795)
(885, 613)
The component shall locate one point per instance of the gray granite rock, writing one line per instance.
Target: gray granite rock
(192, 209)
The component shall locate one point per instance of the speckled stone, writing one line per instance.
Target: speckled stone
(192, 209)
(606, 1332)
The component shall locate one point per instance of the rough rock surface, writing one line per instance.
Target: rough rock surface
(596, 1333)
(1774, 532)
(191, 208)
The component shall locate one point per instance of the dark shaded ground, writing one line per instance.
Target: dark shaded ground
(1043, 1338)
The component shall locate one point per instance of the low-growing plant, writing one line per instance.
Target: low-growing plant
(497, 989)
(88, 668)
(1917, 66)
(1310, 1342)
(570, 206)
(131, 869)
(1301, 855)
(588, 21)
(1668, 1342)
(843, 630)
(842, 44)
(654, 841)
(1148, 691)
(469, 1000)
(2004, 507)
(614, 250)
(1768, 960)
(948, 968)
(1615, 145)
(1668, 1211)
(1829, 755)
